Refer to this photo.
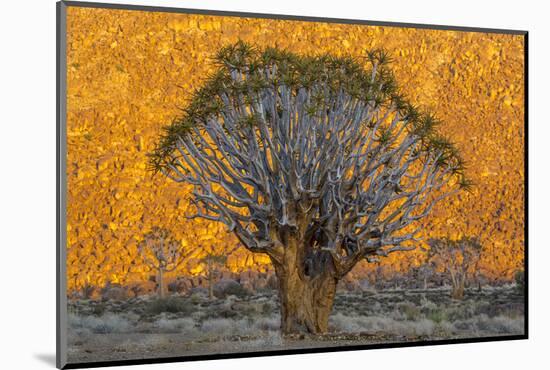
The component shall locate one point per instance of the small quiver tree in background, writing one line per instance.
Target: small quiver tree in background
(458, 258)
(162, 253)
(316, 161)
(424, 273)
(211, 262)
(211, 248)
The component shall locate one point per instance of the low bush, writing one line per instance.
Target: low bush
(377, 324)
(227, 287)
(267, 324)
(184, 325)
(437, 315)
(177, 305)
(106, 324)
(226, 327)
(519, 278)
(411, 311)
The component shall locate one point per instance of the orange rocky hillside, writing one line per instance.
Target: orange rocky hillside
(130, 72)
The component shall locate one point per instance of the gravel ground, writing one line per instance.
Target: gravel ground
(145, 327)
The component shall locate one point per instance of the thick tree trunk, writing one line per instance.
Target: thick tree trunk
(305, 305)
(306, 298)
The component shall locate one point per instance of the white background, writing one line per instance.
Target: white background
(27, 182)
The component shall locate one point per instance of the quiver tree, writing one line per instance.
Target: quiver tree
(458, 258)
(423, 273)
(210, 262)
(212, 250)
(162, 253)
(316, 161)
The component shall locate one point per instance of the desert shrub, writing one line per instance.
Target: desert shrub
(411, 311)
(267, 324)
(375, 307)
(447, 328)
(387, 325)
(519, 278)
(483, 307)
(343, 323)
(423, 327)
(437, 315)
(267, 308)
(500, 324)
(506, 325)
(466, 325)
(484, 324)
(226, 327)
(506, 309)
(427, 305)
(99, 309)
(217, 326)
(461, 312)
(196, 297)
(223, 310)
(108, 323)
(113, 292)
(226, 312)
(227, 287)
(171, 304)
(182, 325)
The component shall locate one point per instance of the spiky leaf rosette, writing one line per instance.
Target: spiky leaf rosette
(321, 146)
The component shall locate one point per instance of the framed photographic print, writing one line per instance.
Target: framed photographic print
(235, 184)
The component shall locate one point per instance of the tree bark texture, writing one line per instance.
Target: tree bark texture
(307, 286)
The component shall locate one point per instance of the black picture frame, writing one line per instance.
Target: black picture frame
(61, 187)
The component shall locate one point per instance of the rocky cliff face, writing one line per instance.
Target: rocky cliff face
(129, 72)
